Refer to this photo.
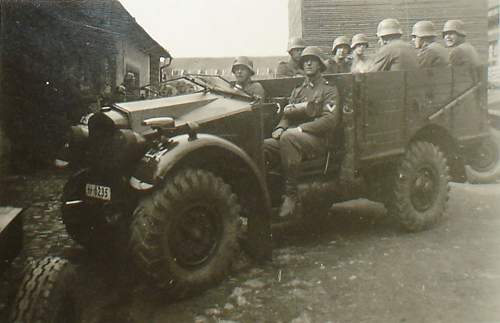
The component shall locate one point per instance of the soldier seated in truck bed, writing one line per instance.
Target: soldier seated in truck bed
(307, 124)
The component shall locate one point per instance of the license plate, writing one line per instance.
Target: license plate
(98, 192)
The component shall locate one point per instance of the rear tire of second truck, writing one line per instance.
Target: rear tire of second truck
(484, 166)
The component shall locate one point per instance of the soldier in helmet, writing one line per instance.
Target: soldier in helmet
(394, 54)
(292, 68)
(306, 127)
(341, 62)
(360, 60)
(462, 53)
(430, 53)
(243, 71)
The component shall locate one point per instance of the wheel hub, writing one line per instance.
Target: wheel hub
(486, 156)
(423, 190)
(194, 236)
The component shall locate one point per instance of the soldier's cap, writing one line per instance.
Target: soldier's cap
(454, 25)
(389, 26)
(296, 42)
(313, 51)
(341, 41)
(243, 61)
(424, 28)
(359, 39)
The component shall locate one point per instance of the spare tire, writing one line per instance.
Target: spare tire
(44, 295)
(484, 165)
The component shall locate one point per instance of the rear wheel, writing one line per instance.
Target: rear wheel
(185, 236)
(484, 164)
(421, 189)
(44, 295)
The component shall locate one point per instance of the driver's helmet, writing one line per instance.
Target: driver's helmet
(314, 51)
(457, 26)
(389, 26)
(245, 61)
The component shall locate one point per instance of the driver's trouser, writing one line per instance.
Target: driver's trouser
(289, 151)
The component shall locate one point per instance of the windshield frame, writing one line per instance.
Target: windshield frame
(200, 80)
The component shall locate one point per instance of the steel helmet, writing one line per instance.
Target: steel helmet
(359, 39)
(245, 61)
(314, 51)
(423, 29)
(389, 26)
(456, 26)
(339, 41)
(296, 42)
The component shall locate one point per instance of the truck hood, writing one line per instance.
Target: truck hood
(197, 107)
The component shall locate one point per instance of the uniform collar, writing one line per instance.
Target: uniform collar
(313, 81)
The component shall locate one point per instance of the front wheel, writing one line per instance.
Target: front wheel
(484, 165)
(184, 236)
(421, 189)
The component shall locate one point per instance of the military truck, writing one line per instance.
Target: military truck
(179, 184)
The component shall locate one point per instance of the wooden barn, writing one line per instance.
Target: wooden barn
(320, 21)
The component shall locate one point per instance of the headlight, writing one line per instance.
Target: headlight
(74, 149)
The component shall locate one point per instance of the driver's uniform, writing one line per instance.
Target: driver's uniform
(317, 124)
(253, 88)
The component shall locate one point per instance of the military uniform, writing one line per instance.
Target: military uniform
(290, 68)
(395, 56)
(317, 122)
(433, 55)
(464, 55)
(339, 66)
(360, 63)
(255, 89)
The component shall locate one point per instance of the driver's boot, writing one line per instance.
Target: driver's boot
(291, 207)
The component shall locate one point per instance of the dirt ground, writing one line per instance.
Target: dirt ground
(356, 265)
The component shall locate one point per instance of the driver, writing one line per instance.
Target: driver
(304, 130)
(243, 72)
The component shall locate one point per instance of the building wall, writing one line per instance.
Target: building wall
(323, 20)
(295, 18)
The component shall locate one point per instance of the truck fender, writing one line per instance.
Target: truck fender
(214, 154)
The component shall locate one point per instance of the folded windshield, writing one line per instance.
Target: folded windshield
(213, 83)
